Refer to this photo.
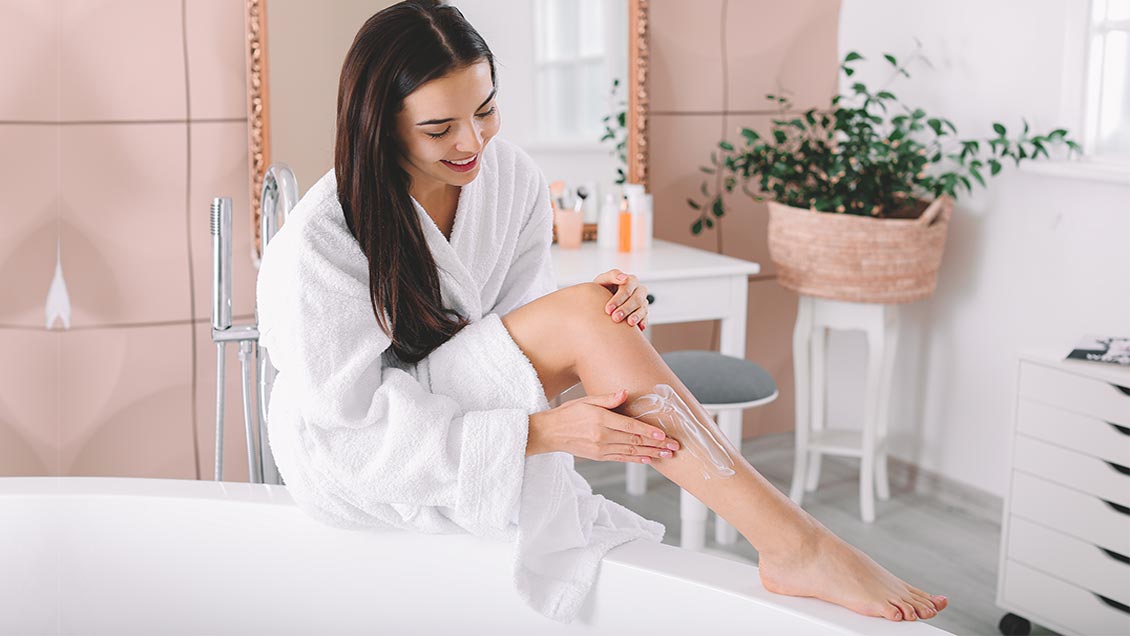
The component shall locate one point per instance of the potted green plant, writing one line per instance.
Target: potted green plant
(616, 131)
(860, 195)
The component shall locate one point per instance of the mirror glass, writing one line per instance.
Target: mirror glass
(561, 64)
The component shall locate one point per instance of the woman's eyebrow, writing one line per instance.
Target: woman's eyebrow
(444, 121)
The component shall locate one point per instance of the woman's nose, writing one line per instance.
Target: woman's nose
(473, 141)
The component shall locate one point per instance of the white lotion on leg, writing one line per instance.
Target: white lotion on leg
(676, 419)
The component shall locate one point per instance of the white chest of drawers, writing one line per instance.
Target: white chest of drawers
(1065, 532)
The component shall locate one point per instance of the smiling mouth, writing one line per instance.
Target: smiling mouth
(466, 165)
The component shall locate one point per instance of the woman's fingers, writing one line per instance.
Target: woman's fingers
(637, 451)
(622, 295)
(627, 424)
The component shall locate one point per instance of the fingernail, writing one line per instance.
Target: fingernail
(621, 277)
(657, 435)
(647, 460)
(609, 309)
(664, 453)
(672, 446)
(619, 315)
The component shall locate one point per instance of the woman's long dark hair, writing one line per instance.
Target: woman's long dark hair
(396, 51)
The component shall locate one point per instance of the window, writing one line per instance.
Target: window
(1107, 98)
(576, 58)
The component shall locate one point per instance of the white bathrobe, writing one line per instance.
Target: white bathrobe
(364, 440)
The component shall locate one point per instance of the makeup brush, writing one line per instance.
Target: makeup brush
(582, 194)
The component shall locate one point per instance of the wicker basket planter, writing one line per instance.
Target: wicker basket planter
(859, 258)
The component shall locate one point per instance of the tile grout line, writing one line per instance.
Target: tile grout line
(188, 238)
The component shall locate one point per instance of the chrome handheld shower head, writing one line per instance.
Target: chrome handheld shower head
(221, 263)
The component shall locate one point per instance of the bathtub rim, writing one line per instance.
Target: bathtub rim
(718, 574)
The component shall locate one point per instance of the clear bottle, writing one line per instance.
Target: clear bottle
(607, 227)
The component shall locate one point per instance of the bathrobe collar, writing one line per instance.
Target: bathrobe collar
(458, 286)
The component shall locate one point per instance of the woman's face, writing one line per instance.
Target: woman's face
(448, 119)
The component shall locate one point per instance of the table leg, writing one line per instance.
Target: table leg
(802, 338)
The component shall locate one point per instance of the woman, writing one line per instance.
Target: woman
(409, 307)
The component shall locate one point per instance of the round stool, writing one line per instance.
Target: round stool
(725, 386)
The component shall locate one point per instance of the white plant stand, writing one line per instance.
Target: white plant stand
(815, 316)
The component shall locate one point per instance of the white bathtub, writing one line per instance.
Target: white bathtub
(83, 555)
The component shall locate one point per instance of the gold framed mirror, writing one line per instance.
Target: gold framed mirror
(259, 101)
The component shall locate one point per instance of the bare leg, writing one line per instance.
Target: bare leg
(569, 338)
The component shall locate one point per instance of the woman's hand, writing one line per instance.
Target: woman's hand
(629, 297)
(587, 427)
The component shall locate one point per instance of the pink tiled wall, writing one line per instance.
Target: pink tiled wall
(119, 121)
(712, 63)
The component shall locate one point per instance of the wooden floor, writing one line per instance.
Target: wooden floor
(937, 535)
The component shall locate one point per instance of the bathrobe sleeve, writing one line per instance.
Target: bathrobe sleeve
(360, 443)
(530, 275)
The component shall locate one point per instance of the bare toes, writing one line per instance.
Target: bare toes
(921, 608)
(892, 612)
(907, 610)
(925, 600)
(940, 602)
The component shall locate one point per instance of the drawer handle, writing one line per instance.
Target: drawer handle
(1120, 468)
(1123, 509)
(1116, 556)
(1113, 603)
(1124, 389)
(1121, 429)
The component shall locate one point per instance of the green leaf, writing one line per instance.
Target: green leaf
(1000, 129)
(858, 87)
(891, 59)
(696, 227)
(725, 145)
(709, 223)
(693, 204)
(849, 72)
(936, 125)
(918, 113)
(717, 208)
(852, 56)
(622, 118)
(994, 166)
(977, 176)
(1058, 132)
(702, 189)
(886, 95)
(706, 170)
(750, 136)
(779, 135)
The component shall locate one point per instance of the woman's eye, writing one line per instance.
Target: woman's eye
(438, 135)
(488, 113)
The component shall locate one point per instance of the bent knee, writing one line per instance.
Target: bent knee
(590, 295)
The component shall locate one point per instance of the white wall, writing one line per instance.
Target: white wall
(508, 28)
(1032, 258)
(306, 46)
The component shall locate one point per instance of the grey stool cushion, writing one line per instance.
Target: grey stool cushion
(715, 378)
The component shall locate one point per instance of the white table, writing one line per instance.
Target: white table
(687, 284)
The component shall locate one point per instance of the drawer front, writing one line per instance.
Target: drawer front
(1078, 514)
(1085, 434)
(689, 299)
(1078, 562)
(1076, 393)
(1091, 475)
(1058, 604)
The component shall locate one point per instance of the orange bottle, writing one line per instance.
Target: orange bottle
(625, 226)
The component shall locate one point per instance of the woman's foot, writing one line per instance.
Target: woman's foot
(832, 570)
